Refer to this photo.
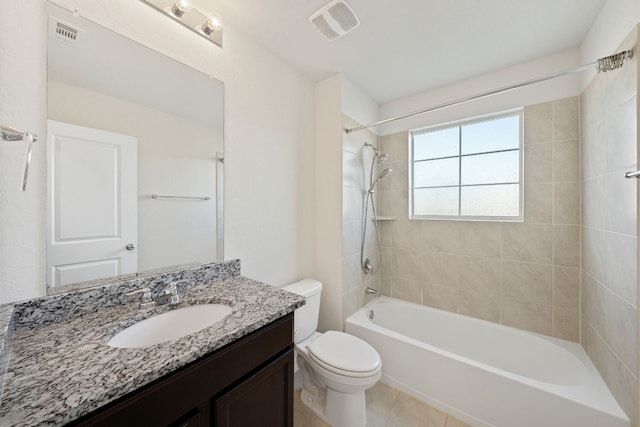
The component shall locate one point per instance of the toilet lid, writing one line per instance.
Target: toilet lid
(344, 352)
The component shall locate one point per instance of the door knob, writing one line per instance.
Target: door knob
(130, 247)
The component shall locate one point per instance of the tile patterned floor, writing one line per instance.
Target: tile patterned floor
(386, 407)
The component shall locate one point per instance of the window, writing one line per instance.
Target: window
(468, 170)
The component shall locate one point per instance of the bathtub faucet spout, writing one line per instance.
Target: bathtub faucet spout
(371, 291)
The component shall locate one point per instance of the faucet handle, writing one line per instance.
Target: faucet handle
(138, 291)
(170, 295)
(175, 282)
(172, 289)
(145, 297)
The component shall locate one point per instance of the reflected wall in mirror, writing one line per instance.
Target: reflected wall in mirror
(126, 123)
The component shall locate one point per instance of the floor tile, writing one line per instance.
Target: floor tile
(386, 407)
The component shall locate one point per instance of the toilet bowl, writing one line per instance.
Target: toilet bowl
(336, 367)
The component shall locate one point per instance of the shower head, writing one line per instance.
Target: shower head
(382, 175)
(373, 147)
(382, 157)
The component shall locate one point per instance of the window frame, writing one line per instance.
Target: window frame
(519, 112)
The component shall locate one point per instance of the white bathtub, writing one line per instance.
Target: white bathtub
(483, 373)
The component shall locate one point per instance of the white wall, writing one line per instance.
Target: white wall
(22, 105)
(328, 192)
(176, 156)
(562, 87)
(357, 104)
(269, 134)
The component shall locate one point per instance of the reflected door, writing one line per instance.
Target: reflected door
(91, 204)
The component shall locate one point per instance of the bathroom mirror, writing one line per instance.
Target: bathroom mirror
(134, 157)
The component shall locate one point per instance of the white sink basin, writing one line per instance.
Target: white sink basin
(170, 326)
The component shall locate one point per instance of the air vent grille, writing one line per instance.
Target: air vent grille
(63, 32)
(344, 16)
(323, 26)
(66, 31)
(335, 19)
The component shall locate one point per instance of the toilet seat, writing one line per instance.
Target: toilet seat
(345, 355)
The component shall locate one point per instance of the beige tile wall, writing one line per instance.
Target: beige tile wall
(355, 173)
(609, 229)
(525, 274)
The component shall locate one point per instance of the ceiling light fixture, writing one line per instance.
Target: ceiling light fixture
(208, 25)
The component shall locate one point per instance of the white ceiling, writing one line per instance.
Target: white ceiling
(404, 47)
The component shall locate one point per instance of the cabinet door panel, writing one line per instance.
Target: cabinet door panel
(264, 399)
(192, 419)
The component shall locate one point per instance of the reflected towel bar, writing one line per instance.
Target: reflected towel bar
(157, 196)
(635, 174)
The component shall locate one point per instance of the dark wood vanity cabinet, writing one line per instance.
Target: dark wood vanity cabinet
(260, 400)
(248, 383)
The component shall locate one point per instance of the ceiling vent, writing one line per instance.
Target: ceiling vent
(335, 19)
(63, 32)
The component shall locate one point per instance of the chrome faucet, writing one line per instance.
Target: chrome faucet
(170, 294)
(145, 298)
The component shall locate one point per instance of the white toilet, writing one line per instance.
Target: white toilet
(336, 367)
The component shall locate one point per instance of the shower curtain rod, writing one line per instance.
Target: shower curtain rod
(607, 63)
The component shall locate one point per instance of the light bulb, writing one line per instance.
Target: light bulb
(214, 23)
(180, 7)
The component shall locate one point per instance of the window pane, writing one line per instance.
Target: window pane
(491, 168)
(439, 143)
(492, 135)
(491, 200)
(469, 170)
(435, 201)
(435, 173)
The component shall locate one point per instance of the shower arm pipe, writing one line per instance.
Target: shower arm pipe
(601, 65)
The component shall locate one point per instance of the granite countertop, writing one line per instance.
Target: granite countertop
(59, 371)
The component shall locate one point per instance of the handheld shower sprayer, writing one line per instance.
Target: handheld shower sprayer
(382, 175)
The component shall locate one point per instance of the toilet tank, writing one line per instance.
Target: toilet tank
(305, 318)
